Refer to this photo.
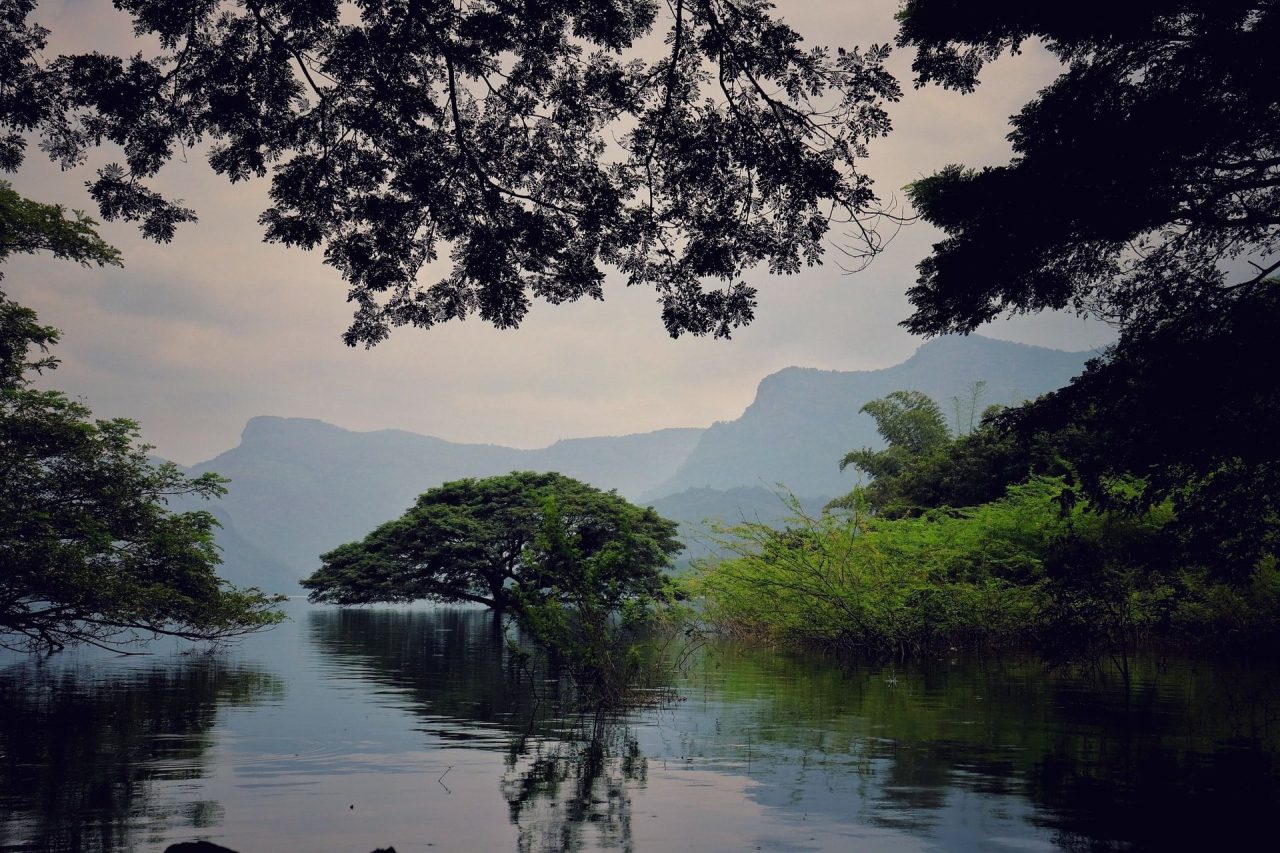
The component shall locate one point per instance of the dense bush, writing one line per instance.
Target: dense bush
(1029, 569)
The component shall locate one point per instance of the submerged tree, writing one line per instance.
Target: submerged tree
(576, 567)
(499, 540)
(533, 143)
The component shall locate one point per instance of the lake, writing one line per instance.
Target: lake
(356, 729)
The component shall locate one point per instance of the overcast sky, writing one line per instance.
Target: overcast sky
(194, 337)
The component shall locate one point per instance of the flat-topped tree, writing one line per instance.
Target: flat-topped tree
(481, 541)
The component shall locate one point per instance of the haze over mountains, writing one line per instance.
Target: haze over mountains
(301, 487)
(803, 421)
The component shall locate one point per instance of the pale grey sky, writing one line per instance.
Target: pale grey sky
(194, 337)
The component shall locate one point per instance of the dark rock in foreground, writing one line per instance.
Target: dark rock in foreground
(210, 847)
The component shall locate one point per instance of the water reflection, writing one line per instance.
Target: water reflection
(968, 754)
(1187, 758)
(575, 793)
(82, 748)
(567, 776)
(452, 665)
(419, 727)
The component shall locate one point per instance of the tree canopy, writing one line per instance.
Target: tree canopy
(90, 552)
(1189, 410)
(1145, 181)
(924, 467)
(497, 541)
(912, 426)
(533, 143)
(1144, 190)
(28, 226)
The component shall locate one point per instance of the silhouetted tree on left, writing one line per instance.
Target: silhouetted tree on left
(89, 553)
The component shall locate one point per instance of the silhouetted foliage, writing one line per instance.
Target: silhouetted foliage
(1189, 408)
(1145, 178)
(90, 552)
(1149, 163)
(528, 142)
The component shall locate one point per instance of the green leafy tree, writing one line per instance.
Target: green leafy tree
(531, 143)
(28, 226)
(90, 554)
(913, 426)
(500, 541)
(925, 468)
(586, 603)
(909, 420)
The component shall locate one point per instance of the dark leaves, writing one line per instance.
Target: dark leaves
(119, 197)
(514, 140)
(1154, 157)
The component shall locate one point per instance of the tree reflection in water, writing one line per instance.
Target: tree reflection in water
(560, 791)
(1186, 757)
(453, 664)
(569, 776)
(952, 753)
(80, 751)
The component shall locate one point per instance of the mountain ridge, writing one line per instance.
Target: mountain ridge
(301, 486)
(802, 420)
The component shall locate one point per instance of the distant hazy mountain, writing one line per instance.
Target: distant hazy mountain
(245, 564)
(804, 420)
(699, 511)
(301, 487)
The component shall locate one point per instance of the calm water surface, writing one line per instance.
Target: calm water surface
(349, 730)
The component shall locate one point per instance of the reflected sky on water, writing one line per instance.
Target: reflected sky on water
(350, 730)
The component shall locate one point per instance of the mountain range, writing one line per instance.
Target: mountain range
(300, 487)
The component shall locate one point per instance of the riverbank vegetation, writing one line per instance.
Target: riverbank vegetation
(949, 548)
(91, 553)
(1142, 500)
(89, 550)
